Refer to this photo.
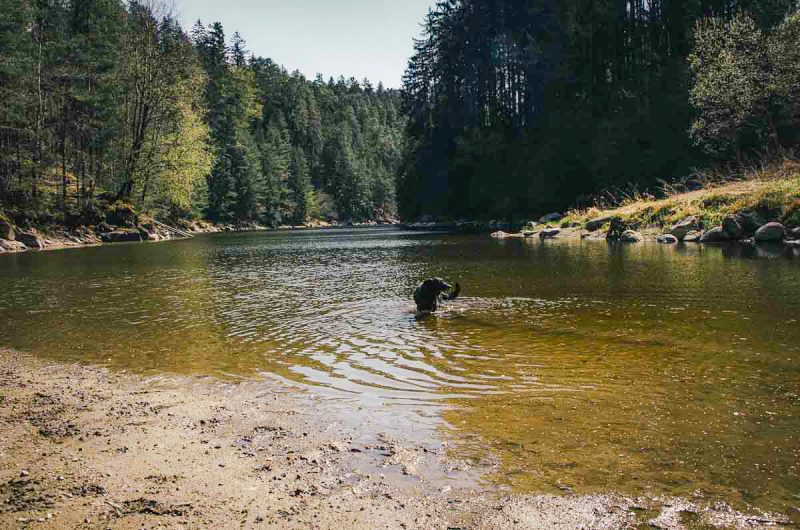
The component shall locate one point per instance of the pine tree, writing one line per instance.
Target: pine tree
(239, 51)
(275, 158)
(299, 188)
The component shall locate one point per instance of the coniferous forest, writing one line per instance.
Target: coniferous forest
(107, 100)
(508, 108)
(520, 106)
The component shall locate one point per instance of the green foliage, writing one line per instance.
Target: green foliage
(746, 85)
(186, 160)
(108, 96)
(730, 66)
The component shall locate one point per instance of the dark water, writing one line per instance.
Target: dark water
(643, 369)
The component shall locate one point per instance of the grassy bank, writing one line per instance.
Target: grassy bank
(772, 192)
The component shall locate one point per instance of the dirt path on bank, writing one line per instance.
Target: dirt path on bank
(83, 447)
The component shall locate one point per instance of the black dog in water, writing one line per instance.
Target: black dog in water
(431, 292)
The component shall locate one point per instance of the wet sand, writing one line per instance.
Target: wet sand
(85, 447)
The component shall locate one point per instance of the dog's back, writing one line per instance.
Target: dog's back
(425, 296)
(429, 293)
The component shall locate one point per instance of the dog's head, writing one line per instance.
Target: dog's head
(436, 285)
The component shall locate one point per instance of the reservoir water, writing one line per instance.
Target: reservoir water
(570, 366)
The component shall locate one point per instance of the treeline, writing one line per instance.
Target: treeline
(97, 98)
(104, 101)
(519, 106)
(288, 149)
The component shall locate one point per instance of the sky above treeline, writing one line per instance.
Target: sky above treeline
(354, 38)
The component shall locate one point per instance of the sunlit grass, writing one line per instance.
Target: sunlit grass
(772, 191)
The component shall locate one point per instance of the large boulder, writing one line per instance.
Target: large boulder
(667, 239)
(122, 236)
(631, 236)
(770, 232)
(733, 226)
(715, 235)
(598, 223)
(549, 233)
(7, 230)
(31, 239)
(685, 226)
(693, 237)
(551, 218)
(12, 246)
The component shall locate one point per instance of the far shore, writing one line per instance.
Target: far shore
(759, 207)
(86, 447)
(60, 238)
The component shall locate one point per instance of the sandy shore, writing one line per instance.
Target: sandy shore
(84, 447)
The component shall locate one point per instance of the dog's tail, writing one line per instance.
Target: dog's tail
(454, 293)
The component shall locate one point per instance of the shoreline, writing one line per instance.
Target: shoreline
(87, 447)
(60, 238)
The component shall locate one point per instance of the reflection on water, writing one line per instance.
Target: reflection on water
(639, 368)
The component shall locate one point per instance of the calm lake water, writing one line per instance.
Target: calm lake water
(644, 369)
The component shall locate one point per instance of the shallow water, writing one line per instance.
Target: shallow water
(571, 365)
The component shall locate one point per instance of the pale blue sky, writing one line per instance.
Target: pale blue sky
(358, 38)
